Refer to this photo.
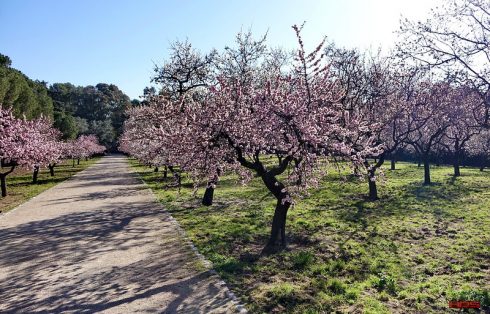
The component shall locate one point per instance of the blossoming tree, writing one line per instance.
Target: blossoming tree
(29, 144)
(293, 116)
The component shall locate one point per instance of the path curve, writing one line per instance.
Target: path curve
(100, 242)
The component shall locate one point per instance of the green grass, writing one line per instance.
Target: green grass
(412, 251)
(21, 189)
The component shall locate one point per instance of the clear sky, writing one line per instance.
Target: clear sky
(118, 41)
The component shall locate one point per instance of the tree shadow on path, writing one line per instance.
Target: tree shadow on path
(123, 256)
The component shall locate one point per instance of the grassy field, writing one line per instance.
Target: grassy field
(410, 252)
(21, 189)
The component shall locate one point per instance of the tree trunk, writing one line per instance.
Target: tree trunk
(373, 190)
(426, 171)
(51, 170)
(73, 163)
(165, 172)
(420, 163)
(34, 174)
(207, 199)
(78, 161)
(457, 173)
(3, 180)
(393, 166)
(156, 169)
(3, 183)
(278, 228)
(482, 167)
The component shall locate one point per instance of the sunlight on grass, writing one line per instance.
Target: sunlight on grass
(20, 187)
(413, 250)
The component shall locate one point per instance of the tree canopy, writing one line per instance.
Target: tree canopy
(25, 96)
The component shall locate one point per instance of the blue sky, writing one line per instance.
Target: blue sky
(118, 41)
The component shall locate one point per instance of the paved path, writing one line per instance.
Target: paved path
(101, 243)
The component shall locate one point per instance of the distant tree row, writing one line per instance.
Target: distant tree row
(35, 143)
(75, 110)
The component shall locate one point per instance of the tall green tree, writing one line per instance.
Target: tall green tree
(97, 109)
(25, 96)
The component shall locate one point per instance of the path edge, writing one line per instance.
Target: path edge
(239, 306)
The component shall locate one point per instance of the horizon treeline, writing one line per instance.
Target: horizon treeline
(75, 110)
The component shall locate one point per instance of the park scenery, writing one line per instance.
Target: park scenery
(255, 177)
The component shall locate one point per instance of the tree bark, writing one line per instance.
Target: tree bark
(3, 183)
(156, 169)
(73, 163)
(165, 172)
(277, 238)
(373, 190)
(207, 199)
(393, 166)
(35, 174)
(426, 171)
(278, 228)
(456, 160)
(457, 172)
(3, 178)
(51, 169)
(78, 161)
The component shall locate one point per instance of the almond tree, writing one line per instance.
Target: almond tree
(151, 133)
(369, 96)
(12, 140)
(479, 147)
(236, 124)
(22, 143)
(455, 40)
(48, 150)
(427, 119)
(463, 125)
(84, 146)
(186, 74)
(89, 145)
(296, 117)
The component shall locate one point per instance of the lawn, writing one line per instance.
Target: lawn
(21, 189)
(410, 252)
